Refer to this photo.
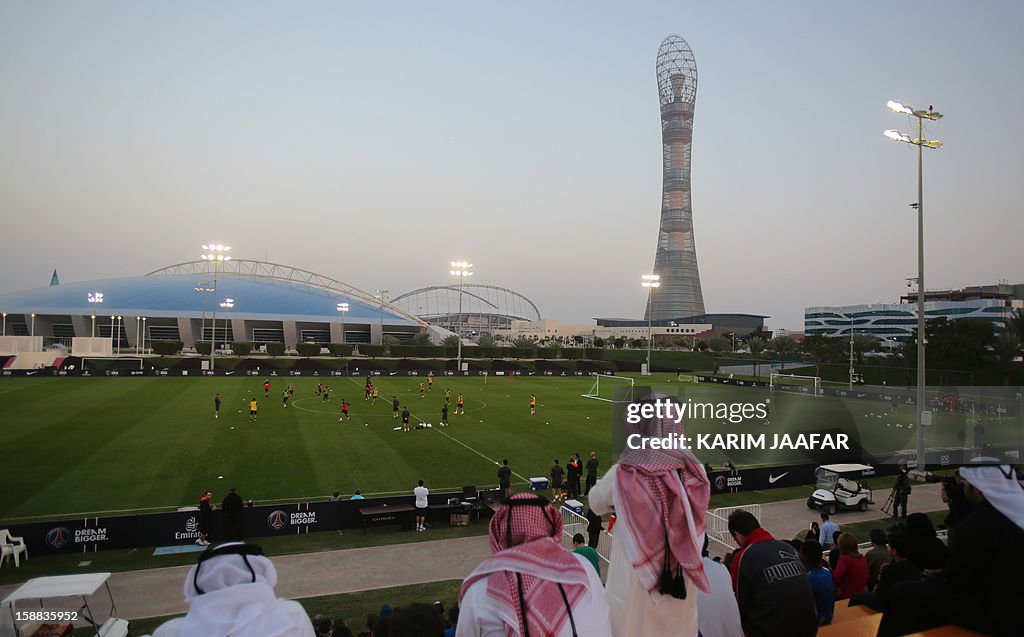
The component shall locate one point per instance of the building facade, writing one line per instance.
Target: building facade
(898, 321)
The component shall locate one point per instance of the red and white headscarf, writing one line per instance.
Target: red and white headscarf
(663, 493)
(525, 541)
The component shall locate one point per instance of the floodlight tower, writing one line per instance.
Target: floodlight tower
(217, 253)
(460, 269)
(923, 415)
(676, 258)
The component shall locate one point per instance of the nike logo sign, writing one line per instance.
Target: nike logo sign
(861, 395)
(228, 373)
(773, 479)
(392, 373)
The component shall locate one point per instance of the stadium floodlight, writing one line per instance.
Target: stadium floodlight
(650, 281)
(460, 269)
(94, 298)
(343, 309)
(921, 143)
(5, 325)
(217, 253)
(383, 294)
(143, 334)
(32, 332)
(899, 108)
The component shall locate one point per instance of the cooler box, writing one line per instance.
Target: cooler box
(538, 483)
(574, 505)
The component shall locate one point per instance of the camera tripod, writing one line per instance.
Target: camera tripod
(889, 502)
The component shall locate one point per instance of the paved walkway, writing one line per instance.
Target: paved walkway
(158, 592)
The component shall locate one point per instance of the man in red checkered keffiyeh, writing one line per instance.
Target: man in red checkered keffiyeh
(658, 496)
(531, 585)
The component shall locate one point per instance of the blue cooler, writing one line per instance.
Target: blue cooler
(574, 505)
(538, 483)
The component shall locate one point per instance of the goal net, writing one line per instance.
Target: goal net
(612, 389)
(796, 384)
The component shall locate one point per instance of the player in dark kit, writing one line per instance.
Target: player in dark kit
(394, 407)
(216, 406)
(405, 419)
(444, 415)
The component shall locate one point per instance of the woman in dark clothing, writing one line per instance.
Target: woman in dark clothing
(929, 552)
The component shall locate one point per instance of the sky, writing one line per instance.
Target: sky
(375, 142)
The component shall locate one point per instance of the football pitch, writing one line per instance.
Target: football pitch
(79, 446)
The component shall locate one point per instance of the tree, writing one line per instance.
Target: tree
(619, 342)
(577, 340)
(522, 343)
(1015, 324)
(962, 345)
(598, 342)
(756, 345)
(420, 339)
(637, 343)
(822, 349)
(719, 345)
(700, 345)
(1004, 349)
(450, 341)
(864, 343)
(485, 340)
(784, 347)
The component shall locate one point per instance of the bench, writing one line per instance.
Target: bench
(863, 626)
(845, 612)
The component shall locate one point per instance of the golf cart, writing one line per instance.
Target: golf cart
(839, 486)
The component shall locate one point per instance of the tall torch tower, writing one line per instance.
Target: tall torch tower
(676, 258)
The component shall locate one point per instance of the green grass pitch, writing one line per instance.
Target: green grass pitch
(73, 446)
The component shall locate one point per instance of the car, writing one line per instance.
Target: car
(840, 486)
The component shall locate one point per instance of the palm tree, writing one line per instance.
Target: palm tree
(419, 339)
(784, 347)
(1004, 348)
(485, 340)
(1015, 324)
(450, 341)
(864, 343)
(756, 344)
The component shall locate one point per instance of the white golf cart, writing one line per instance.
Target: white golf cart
(840, 486)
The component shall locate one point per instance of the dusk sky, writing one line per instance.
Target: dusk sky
(375, 142)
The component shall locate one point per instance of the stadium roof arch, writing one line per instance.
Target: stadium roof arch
(482, 306)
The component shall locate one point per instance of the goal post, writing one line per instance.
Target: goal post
(795, 383)
(611, 389)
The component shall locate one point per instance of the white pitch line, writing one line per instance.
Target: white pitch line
(491, 460)
(456, 440)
